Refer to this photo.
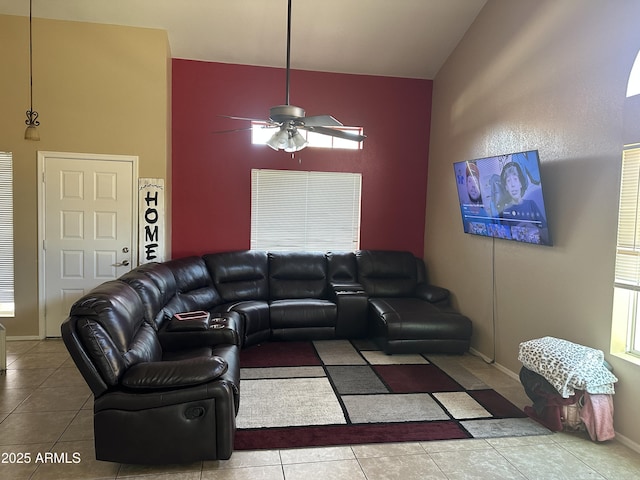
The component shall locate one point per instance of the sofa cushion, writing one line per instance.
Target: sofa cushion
(113, 329)
(174, 374)
(342, 267)
(307, 312)
(297, 275)
(387, 273)
(155, 285)
(238, 276)
(195, 290)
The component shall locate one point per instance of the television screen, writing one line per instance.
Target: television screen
(501, 197)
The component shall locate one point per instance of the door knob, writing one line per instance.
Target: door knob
(123, 263)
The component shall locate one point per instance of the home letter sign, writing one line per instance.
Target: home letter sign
(151, 201)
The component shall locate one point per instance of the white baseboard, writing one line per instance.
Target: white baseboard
(629, 443)
(26, 337)
(502, 368)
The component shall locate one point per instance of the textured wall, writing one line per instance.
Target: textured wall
(551, 76)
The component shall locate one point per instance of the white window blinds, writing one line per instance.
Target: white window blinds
(628, 244)
(314, 211)
(6, 235)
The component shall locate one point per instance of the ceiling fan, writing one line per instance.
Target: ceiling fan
(288, 119)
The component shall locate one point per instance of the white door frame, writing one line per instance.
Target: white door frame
(42, 158)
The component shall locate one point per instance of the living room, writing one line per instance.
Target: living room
(542, 75)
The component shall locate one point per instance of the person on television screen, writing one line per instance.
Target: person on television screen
(473, 183)
(475, 216)
(518, 211)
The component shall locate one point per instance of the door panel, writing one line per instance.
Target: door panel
(88, 206)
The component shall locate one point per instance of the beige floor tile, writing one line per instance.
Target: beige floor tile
(25, 428)
(38, 360)
(167, 476)
(55, 399)
(12, 397)
(30, 378)
(128, 470)
(81, 427)
(336, 470)
(521, 441)
(50, 345)
(245, 458)
(271, 472)
(456, 445)
(401, 467)
(476, 464)
(323, 454)
(65, 377)
(21, 346)
(387, 449)
(548, 462)
(612, 459)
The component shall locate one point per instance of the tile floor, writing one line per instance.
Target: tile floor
(46, 433)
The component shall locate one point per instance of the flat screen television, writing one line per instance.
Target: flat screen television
(501, 197)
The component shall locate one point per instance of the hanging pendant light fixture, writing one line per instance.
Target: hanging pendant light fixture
(31, 133)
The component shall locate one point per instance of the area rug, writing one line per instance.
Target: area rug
(338, 392)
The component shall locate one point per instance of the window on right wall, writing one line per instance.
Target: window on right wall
(625, 334)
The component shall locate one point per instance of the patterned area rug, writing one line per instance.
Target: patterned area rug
(337, 392)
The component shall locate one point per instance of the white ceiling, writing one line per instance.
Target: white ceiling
(401, 38)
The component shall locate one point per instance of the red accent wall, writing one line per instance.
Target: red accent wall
(211, 172)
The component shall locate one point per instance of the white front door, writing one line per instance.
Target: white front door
(88, 229)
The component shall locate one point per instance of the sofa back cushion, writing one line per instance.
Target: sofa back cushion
(297, 275)
(195, 290)
(342, 267)
(387, 273)
(156, 286)
(112, 328)
(239, 276)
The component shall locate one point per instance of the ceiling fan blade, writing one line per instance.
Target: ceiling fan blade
(245, 118)
(233, 130)
(335, 133)
(321, 121)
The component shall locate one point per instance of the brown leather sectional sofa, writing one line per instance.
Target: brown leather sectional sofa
(168, 391)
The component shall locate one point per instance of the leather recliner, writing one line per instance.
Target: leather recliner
(151, 406)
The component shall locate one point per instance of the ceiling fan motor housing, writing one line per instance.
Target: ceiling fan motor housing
(284, 113)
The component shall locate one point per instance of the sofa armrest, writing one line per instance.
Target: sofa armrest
(351, 300)
(432, 294)
(346, 288)
(174, 373)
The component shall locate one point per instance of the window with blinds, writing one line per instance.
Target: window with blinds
(6, 235)
(313, 211)
(627, 271)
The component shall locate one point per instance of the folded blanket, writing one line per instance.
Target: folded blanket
(567, 366)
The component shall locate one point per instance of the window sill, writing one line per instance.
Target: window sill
(627, 357)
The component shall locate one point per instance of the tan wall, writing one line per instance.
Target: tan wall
(98, 89)
(551, 76)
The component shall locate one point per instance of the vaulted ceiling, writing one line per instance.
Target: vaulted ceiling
(400, 38)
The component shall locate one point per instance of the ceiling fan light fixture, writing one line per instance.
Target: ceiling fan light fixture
(279, 140)
(296, 142)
